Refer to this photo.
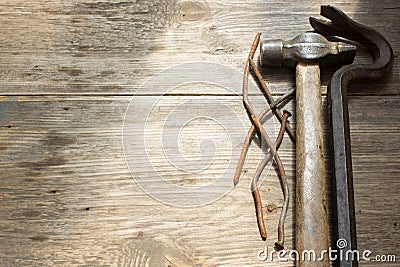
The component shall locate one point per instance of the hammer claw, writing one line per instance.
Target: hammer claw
(343, 26)
(335, 15)
(322, 26)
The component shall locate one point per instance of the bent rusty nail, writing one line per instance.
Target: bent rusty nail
(259, 214)
(273, 105)
(270, 99)
(257, 124)
(272, 150)
(246, 143)
(250, 111)
(267, 158)
(285, 187)
(264, 135)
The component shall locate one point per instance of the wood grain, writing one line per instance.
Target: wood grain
(79, 47)
(68, 69)
(311, 207)
(69, 199)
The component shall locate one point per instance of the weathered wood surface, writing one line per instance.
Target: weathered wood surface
(112, 47)
(67, 71)
(68, 198)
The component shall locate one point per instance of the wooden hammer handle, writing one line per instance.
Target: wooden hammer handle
(311, 213)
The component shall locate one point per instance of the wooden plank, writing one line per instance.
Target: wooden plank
(78, 47)
(69, 199)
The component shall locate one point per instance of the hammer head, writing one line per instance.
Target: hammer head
(306, 47)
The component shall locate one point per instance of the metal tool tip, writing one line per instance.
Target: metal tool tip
(345, 47)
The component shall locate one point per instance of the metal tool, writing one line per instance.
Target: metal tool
(311, 47)
(305, 52)
(343, 196)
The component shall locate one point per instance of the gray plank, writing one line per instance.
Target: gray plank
(78, 47)
(69, 199)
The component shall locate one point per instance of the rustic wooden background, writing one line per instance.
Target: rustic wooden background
(69, 69)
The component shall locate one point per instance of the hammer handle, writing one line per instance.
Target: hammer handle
(311, 214)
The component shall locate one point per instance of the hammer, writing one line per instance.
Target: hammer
(306, 52)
